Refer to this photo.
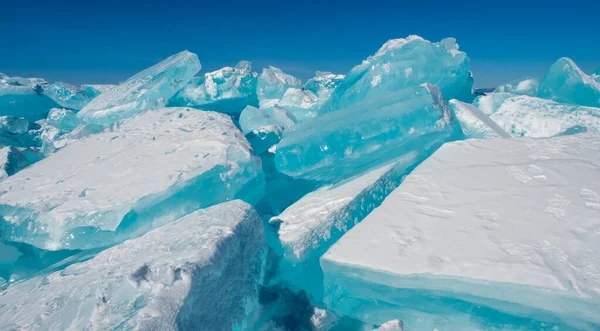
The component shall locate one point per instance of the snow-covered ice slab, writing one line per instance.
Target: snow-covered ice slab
(309, 226)
(565, 82)
(484, 234)
(148, 171)
(200, 272)
(350, 141)
(474, 123)
(149, 89)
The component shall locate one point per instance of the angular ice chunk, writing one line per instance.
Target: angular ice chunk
(527, 86)
(13, 160)
(69, 96)
(171, 278)
(149, 89)
(323, 84)
(302, 103)
(227, 90)
(148, 171)
(350, 141)
(14, 125)
(393, 325)
(524, 116)
(444, 250)
(253, 118)
(403, 63)
(317, 220)
(272, 84)
(474, 123)
(23, 97)
(63, 119)
(56, 133)
(565, 82)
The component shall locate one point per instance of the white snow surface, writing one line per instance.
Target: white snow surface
(138, 165)
(201, 270)
(511, 224)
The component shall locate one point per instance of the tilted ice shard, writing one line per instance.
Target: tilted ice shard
(311, 225)
(174, 277)
(14, 159)
(23, 97)
(524, 116)
(565, 82)
(253, 118)
(527, 86)
(349, 141)
(69, 96)
(227, 90)
(443, 250)
(96, 191)
(474, 123)
(403, 63)
(272, 84)
(149, 89)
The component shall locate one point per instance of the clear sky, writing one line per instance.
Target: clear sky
(107, 41)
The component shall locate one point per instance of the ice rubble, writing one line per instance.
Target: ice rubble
(97, 191)
(485, 234)
(227, 90)
(349, 141)
(525, 116)
(403, 63)
(199, 271)
(527, 86)
(474, 123)
(23, 97)
(565, 82)
(149, 89)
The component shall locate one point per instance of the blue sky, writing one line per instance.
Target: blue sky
(108, 41)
